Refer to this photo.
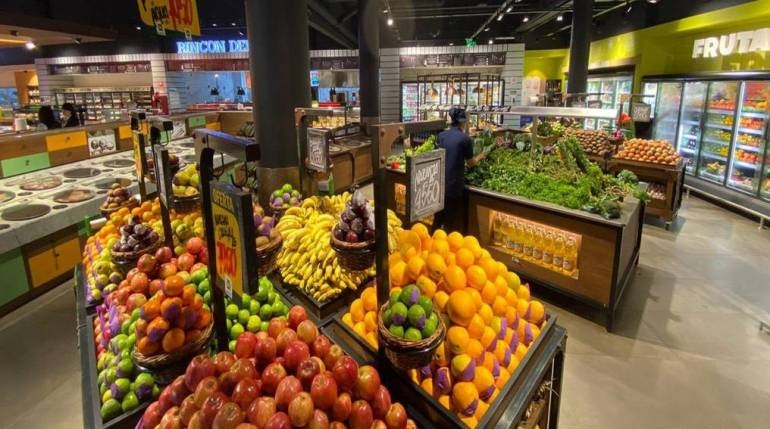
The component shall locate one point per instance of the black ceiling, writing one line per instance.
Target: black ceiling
(334, 23)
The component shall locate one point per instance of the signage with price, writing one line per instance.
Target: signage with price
(235, 257)
(318, 149)
(171, 15)
(640, 112)
(425, 187)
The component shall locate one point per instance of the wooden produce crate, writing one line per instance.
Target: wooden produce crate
(671, 177)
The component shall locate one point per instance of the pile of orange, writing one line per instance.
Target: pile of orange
(362, 316)
(493, 319)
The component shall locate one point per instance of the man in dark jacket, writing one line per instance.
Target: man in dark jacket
(459, 149)
(69, 116)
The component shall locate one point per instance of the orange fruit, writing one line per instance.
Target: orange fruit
(204, 320)
(489, 338)
(501, 285)
(465, 398)
(441, 247)
(174, 285)
(511, 297)
(436, 266)
(370, 321)
(460, 307)
(394, 258)
(369, 299)
(521, 307)
(440, 300)
(439, 234)
(475, 350)
(408, 239)
(502, 270)
(488, 293)
(485, 253)
(450, 258)
(503, 378)
(464, 258)
(490, 267)
(371, 338)
(348, 319)
(513, 281)
(454, 278)
(476, 327)
(476, 277)
(357, 310)
(499, 306)
(173, 340)
(147, 347)
(421, 230)
(360, 329)
(481, 409)
(427, 286)
(486, 313)
(398, 274)
(523, 292)
(471, 243)
(457, 338)
(427, 385)
(476, 295)
(445, 401)
(415, 266)
(455, 240)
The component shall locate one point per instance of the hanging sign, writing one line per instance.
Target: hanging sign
(640, 112)
(172, 15)
(318, 149)
(212, 46)
(236, 257)
(425, 187)
(742, 42)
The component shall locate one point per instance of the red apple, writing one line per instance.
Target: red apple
(297, 315)
(381, 402)
(246, 426)
(195, 421)
(345, 372)
(245, 345)
(287, 390)
(307, 331)
(361, 415)
(246, 391)
(179, 390)
(283, 340)
(187, 409)
(194, 245)
(279, 420)
(205, 388)
(276, 326)
(337, 425)
(203, 256)
(323, 391)
(334, 353)
(319, 421)
(228, 417)
(211, 407)
(367, 383)
(342, 407)
(321, 346)
(164, 254)
(321, 365)
(146, 263)
(260, 411)
(200, 367)
(301, 409)
(295, 352)
(185, 261)
(167, 270)
(197, 266)
(223, 361)
(307, 370)
(171, 419)
(151, 416)
(378, 424)
(272, 377)
(265, 350)
(395, 418)
(410, 424)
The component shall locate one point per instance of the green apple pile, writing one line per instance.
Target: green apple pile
(102, 276)
(255, 311)
(410, 315)
(186, 181)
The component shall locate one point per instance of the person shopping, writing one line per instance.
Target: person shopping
(69, 116)
(459, 152)
(46, 119)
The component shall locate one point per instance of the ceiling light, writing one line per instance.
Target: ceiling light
(138, 27)
(214, 24)
(500, 17)
(78, 40)
(384, 11)
(30, 45)
(451, 43)
(240, 33)
(560, 18)
(510, 8)
(491, 41)
(652, 1)
(630, 6)
(486, 29)
(525, 19)
(233, 24)
(390, 22)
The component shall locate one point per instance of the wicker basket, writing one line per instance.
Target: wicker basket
(354, 256)
(404, 354)
(165, 367)
(277, 212)
(130, 204)
(267, 256)
(186, 204)
(127, 260)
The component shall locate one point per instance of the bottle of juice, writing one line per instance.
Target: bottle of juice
(558, 252)
(548, 249)
(570, 255)
(497, 230)
(537, 246)
(527, 242)
(518, 237)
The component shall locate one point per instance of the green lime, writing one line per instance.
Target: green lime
(103, 387)
(397, 331)
(207, 297)
(280, 309)
(245, 301)
(410, 295)
(273, 297)
(144, 379)
(433, 318)
(231, 346)
(266, 311)
(236, 331)
(110, 409)
(254, 307)
(126, 367)
(394, 297)
(155, 391)
(262, 293)
(243, 316)
(398, 313)
(229, 324)
(132, 339)
(416, 316)
(135, 314)
(429, 329)
(111, 376)
(204, 286)
(231, 311)
(413, 334)
(124, 354)
(386, 317)
(426, 305)
(207, 307)
(130, 402)
(253, 324)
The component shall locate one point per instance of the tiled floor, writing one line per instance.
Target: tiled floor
(687, 352)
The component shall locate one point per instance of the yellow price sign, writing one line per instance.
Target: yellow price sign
(171, 15)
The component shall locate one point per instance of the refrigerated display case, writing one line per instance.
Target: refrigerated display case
(668, 102)
(749, 144)
(718, 130)
(610, 89)
(690, 122)
(410, 102)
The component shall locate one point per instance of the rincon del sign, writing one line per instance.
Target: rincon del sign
(742, 42)
(212, 46)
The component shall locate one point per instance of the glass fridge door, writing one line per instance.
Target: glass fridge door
(690, 123)
(409, 102)
(746, 160)
(764, 190)
(667, 106)
(651, 95)
(718, 130)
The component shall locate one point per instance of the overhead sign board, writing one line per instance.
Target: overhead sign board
(171, 15)
(212, 46)
(742, 42)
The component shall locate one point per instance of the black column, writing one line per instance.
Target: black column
(580, 46)
(279, 60)
(369, 12)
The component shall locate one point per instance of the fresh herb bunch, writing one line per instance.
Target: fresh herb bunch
(483, 142)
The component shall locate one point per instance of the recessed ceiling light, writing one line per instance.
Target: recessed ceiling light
(240, 33)
(652, 1)
(560, 18)
(214, 24)
(510, 8)
(390, 22)
(500, 17)
(384, 11)
(30, 45)
(233, 24)
(491, 41)
(138, 27)
(525, 19)
(451, 43)
(486, 29)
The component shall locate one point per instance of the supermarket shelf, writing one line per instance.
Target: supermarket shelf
(749, 148)
(741, 187)
(720, 142)
(711, 177)
(686, 150)
(751, 131)
(690, 136)
(690, 122)
(745, 164)
(756, 115)
(715, 156)
(721, 111)
(720, 126)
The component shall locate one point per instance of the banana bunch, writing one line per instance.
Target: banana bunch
(307, 259)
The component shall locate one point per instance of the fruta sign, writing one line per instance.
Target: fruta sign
(742, 42)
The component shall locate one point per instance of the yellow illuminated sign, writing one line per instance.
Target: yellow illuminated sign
(172, 15)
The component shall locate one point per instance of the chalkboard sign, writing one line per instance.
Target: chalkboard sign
(318, 149)
(425, 186)
(641, 112)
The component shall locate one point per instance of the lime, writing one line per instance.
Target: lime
(397, 331)
(236, 331)
(416, 316)
(426, 305)
(132, 338)
(398, 313)
(254, 307)
(245, 302)
(144, 379)
(206, 306)
(243, 316)
(155, 391)
(273, 297)
(394, 297)
(130, 402)
(231, 311)
(135, 314)
(231, 346)
(263, 293)
(110, 377)
(253, 324)
(386, 317)
(266, 311)
(110, 409)
(413, 334)
(126, 367)
(429, 329)
(433, 318)
(103, 387)
(410, 295)
(286, 188)
(207, 297)
(280, 309)
(204, 286)
(229, 324)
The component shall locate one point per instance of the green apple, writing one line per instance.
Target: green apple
(245, 301)
(266, 311)
(231, 311)
(130, 402)
(243, 316)
(236, 331)
(264, 325)
(254, 306)
(110, 409)
(253, 324)
(231, 346)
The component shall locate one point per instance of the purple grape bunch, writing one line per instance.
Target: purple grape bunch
(356, 223)
(135, 236)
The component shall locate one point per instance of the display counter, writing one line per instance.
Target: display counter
(605, 251)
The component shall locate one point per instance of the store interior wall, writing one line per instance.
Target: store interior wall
(195, 87)
(112, 80)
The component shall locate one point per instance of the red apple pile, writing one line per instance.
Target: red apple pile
(290, 376)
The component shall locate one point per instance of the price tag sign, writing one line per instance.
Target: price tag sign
(640, 112)
(318, 149)
(425, 189)
(236, 253)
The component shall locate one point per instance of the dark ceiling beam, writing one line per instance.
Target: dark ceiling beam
(40, 23)
(316, 7)
(349, 15)
(489, 20)
(595, 15)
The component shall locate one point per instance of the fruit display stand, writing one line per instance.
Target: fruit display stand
(607, 249)
(669, 179)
